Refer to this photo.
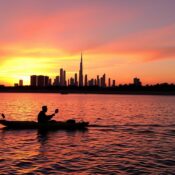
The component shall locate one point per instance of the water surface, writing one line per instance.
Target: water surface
(137, 137)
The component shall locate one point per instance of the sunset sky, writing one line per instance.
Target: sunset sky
(122, 38)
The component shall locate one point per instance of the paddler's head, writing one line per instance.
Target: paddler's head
(44, 108)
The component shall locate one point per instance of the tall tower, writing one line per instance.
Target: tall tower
(109, 82)
(86, 80)
(61, 77)
(81, 72)
(76, 79)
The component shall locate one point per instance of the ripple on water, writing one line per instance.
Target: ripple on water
(23, 164)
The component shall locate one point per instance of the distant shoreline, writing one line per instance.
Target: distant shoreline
(91, 90)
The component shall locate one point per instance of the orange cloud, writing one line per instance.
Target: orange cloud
(148, 45)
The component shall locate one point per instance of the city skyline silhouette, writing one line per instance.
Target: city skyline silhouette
(79, 79)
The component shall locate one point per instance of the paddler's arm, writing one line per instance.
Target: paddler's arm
(50, 116)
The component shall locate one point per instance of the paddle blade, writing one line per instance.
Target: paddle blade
(3, 116)
(56, 111)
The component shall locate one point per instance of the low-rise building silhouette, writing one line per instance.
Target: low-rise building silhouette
(20, 82)
(137, 82)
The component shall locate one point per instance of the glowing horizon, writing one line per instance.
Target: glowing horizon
(123, 39)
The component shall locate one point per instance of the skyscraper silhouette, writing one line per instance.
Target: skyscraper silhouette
(86, 80)
(46, 81)
(113, 83)
(98, 80)
(109, 82)
(81, 72)
(33, 80)
(64, 80)
(76, 79)
(61, 77)
(41, 81)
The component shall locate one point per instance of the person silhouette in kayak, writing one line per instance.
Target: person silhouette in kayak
(43, 118)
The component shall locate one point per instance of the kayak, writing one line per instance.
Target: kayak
(52, 125)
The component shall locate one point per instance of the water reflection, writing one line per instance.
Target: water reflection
(42, 136)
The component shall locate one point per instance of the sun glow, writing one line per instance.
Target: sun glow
(21, 68)
(43, 61)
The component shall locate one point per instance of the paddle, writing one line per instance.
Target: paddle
(56, 111)
(3, 116)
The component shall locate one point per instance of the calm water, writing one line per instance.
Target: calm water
(138, 135)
